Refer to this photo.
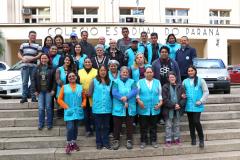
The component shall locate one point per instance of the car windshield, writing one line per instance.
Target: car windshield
(16, 66)
(209, 63)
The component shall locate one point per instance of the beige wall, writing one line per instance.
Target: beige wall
(234, 52)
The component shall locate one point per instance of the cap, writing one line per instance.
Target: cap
(73, 34)
(134, 40)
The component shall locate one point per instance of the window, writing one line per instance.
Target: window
(36, 15)
(219, 16)
(131, 15)
(174, 15)
(84, 15)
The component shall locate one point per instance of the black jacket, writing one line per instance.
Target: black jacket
(51, 84)
(119, 56)
(168, 104)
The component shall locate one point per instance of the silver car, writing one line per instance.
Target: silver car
(215, 74)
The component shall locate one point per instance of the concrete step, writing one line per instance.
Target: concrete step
(223, 98)
(91, 152)
(59, 141)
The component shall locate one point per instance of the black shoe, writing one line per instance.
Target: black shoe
(129, 144)
(49, 128)
(34, 100)
(193, 142)
(115, 145)
(23, 100)
(107, 147)
(99, 147)
(201, 144)
(40, 128)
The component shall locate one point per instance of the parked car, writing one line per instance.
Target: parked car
(11, 81)
(234, 72)
(3, 66)
(215, 74)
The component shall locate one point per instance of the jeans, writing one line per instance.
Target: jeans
(26, 72)
(102, 129)
(148, 123)
(172, 128)
(88, 118)
(45, 102)
(194, 123)
(72, 130)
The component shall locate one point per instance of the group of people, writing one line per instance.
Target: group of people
(130, 81)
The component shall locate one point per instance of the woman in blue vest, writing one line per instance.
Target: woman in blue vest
(54, 56)
(149, 101)
(174, 100)
(79, 56)
(100, 90)
(173, 46)
(72, 100)
(113, 72)
(196, 93)
(124, 92)
(61, 74)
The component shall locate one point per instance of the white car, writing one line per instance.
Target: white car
(11, 81)
(3, 66)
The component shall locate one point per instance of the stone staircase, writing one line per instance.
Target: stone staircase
(21, 140)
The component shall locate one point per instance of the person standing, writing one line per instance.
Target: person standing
(174, 100)
(72, 100)
(124, 92)
(54, 57)
(196, 94)
(73, 42)
(29, 53)
(113, 72)
(87, 47)
(142, 46)
(100, 90)
(124, 43)
(100, 58)
(102, 41)
(48, 42)
(45, 89)
(171, 42)
(87, 74)
(131, 52)
(58, 41)
(185, 56)
(79, 56)
(149, 101)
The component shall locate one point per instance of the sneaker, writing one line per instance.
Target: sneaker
(99, 147)
(168, 144)
(75, 147)
(155, 145)
(161, 122)
(129, 144)
(49, 128)
(142, 145)
(107, 147)
(115, 145)
(177, 142)
(201, 144)
(68, 148)
(34, 100)
(23, 100)
(40, 128)
(193, 143)
(110, 135)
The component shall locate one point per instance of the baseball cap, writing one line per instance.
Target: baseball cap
(73, 34)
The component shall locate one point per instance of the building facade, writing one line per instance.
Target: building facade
(212, 26)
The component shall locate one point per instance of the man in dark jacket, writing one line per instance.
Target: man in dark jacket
(87, 48)
(185, 56)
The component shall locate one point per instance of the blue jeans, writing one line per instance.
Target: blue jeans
(26, 72)
(45, 102)
(102, 129)
(72, 130)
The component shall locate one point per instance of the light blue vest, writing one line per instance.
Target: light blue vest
(118, 106)
(55, 61)
(136, 73)
(102, 101)
(141, 47)
(131, 57)
(62, 78)
(74, 102)
(81, 61)
(193, 94)
(173, 49)
(150, 53)
(150, 98)
(111, 76)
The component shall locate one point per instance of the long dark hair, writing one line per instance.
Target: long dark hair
(72, 66)
(167, 40)
(49, 60)
(195, 76)
(45, 40)
(81, 52)
(60, 36)
(107, 79)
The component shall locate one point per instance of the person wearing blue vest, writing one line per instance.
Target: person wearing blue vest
(72, 100)
(54, 56)
(172, 44)
(79, 56)
(174, 100)
(131, 52)
(149, 101)
(100, 90)
(142, 46)
(61, 74)
(124, 92)
(153, 49)
(196, 93)
(138, 69)
(113, 72)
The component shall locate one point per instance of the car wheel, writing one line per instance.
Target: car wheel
(227, 91)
